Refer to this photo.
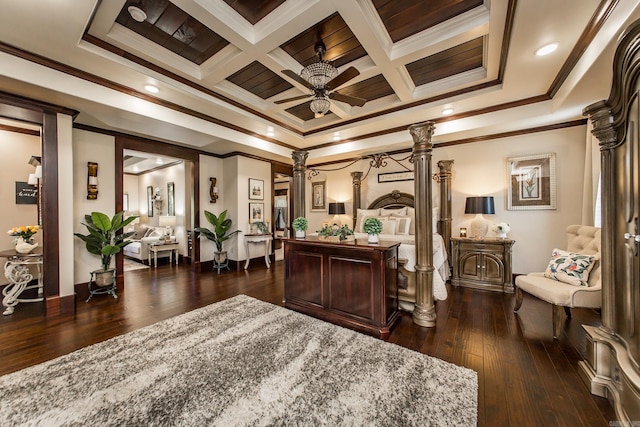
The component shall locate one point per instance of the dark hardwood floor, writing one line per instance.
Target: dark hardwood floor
(525, 377)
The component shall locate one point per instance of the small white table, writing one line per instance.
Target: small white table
(163, 247)
(17, 272)
(257, 239)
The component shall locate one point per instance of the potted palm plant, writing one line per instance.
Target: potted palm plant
(372, 226)
(103, 240)
(220, 233)
(300, 225)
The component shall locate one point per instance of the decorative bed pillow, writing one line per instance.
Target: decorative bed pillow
(388, 225)
(363, 214)
(397, 212)
(569, 267)
(404, 224)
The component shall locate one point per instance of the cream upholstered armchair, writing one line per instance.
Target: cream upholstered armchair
(581, 239)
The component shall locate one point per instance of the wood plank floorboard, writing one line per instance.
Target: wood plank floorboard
(525, 377)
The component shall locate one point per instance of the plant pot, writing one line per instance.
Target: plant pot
(300, 234)
(502, 235)
(220, 258)
(373, 238)
(23, 247)
(104, 278)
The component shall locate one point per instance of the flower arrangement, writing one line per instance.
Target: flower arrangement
(25, 232)
(340, 232)
(372, 226)
(501, 228)
(300, 224)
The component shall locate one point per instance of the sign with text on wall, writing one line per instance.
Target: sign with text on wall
(26, 194)
(395, 176)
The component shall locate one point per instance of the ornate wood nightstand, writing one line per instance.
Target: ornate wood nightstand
(482, 263)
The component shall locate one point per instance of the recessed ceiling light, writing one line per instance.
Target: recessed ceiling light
(336, 136)
(270, 132)
(546, 49)
(137, 13)
(151, 88)
(159, 161)
(447, 111)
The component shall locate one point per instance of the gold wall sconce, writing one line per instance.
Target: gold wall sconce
(92, 181)
(213, 190)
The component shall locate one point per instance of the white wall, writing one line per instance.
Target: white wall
(99, 148)
(480, 169)
(17, 149)
(211, 167)
(131, 188)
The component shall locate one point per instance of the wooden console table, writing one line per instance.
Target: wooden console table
(257, 239)
(162, 247)
(352, 284)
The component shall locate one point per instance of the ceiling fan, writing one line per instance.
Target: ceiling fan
(322, 77)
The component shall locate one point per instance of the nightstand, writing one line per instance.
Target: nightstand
(482, 263)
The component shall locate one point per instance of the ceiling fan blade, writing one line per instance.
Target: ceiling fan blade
(295, 98)
(297, 78)
(342, 78)
(351, 100)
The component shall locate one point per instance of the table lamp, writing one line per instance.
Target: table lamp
(336, 209)
(479, 206)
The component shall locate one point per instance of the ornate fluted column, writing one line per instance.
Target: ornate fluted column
(299, 168)
(424, 312)
(444, 224)
(356, 179)
(602, 120)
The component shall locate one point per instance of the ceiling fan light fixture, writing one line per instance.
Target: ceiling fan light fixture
(319, 73)
(137, 12)
(320, 106)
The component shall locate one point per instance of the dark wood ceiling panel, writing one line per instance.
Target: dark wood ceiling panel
(303, 111)
(254, 10)
(172, 28)
(342, 45)
(370, 89)
(404, 18)
(458, 59)
(259, 80)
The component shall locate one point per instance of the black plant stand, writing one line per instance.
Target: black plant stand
(219, 265)
(94, 289)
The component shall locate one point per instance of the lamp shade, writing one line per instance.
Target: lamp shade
(167, 221)
(480, 205)
(336, 209)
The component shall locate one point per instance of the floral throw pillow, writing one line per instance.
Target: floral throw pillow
(569, 267)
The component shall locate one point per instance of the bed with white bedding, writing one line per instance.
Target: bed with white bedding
(396, 211)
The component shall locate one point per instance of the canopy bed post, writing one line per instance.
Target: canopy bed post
(424, 313)
(357, 182)
(444, 223)
(299, 168)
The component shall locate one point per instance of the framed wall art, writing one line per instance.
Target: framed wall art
(531, 182)
(171, 199)
(256, 212)
(256, 189)
(318, 196)
(149, 201)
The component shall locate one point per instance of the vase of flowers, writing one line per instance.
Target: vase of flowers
(24, 237)
(372, 226)
(501, 229)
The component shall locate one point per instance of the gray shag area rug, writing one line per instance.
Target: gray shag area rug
(241, 362)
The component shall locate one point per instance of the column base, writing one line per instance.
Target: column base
(425, 317)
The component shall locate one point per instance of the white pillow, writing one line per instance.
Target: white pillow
(397, 212)
(404, 224)
(362, 214)
(388, 225)
(155, 232)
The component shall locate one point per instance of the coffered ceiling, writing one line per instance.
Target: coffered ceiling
(218, 65)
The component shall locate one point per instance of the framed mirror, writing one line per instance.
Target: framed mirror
(150, 201)
(171, 199)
